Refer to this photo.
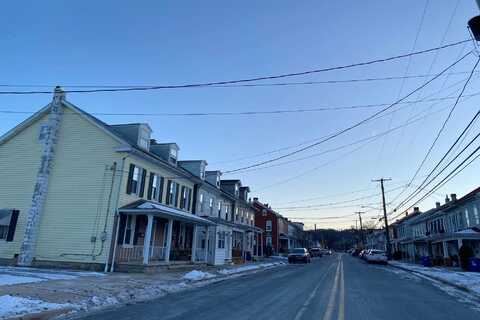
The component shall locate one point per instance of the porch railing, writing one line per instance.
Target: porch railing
(157, 253)
(129, 253)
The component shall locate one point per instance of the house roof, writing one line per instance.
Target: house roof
(109, 129)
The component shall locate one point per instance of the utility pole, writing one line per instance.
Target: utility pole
(361, 227)
(387, 235)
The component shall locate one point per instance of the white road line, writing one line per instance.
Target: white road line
(307, 302)
(341, 304)
(333, 293)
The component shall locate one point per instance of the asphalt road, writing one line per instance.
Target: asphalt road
(334, 287)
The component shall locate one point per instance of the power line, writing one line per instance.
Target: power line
(444, 125)
(448, 97)
(338, 133)
(286, 75)
(296, 83)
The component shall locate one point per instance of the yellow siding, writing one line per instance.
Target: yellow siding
(79, 187)
(19, 161)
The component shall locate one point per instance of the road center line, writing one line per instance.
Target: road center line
(331, 302)
(341, 304)
(307, 302)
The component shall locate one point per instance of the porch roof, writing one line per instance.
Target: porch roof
(160, 210)
(470, 233)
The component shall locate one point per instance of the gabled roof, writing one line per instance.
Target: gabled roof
(109, 130)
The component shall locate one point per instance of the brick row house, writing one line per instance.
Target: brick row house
(77, 192)
(437, 233)
(278, 234)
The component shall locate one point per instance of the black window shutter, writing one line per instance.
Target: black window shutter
(160, 191)
(177, 186)
(130, 178)
(150, 185)
(13, 225)
(142, 183)
(169, 189)
(182, 198)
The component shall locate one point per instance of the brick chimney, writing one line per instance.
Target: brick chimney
(437, 204)
(447, 199)
(453, 196)
(48, 144)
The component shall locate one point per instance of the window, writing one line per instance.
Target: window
(201, 202)
(268, 225)
(173, 155)
(8, 224)
(155, 187)
(129, 230)
(475, 213)
(221, 240)
(226, 212)
(219, 209)
(218, 181)
(467, 218)
(136, 180)
(183, 198)
(211, 205)
(172, 193)
(236, 214)
(144, 139)
(236, 190)
(268, 241)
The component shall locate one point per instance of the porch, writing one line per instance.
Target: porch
(152, 234)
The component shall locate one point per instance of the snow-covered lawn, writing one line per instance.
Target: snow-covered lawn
(11, 306)
(469, 280)
(196, 275)
(16, 275)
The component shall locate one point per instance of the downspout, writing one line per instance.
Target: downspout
(118, 220)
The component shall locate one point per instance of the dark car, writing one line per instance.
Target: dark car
(315, 252)
(299, 254)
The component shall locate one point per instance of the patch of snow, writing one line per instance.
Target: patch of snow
(6, 279)
(15, 306)
(469, 280)
(249, 267)
(196, 275)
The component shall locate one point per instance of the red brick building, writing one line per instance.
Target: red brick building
(269, 221)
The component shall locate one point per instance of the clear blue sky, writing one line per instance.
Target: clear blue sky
(175, 42)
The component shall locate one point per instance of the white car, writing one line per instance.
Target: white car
(376, 256)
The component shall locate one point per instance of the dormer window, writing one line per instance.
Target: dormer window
(236, 190)
(218, 181)
(173, 156)
(144, 138)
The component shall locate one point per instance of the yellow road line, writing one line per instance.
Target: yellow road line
(333, 293)
(341, 304)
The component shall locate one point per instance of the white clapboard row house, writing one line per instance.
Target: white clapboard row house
(77, 192)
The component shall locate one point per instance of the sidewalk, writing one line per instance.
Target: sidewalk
(466, 281)
(29, 293)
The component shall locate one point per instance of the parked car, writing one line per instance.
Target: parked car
(299, 254)
(363, 253)
(376, 256)
(315, 252)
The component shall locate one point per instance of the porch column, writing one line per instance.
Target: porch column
(206, 243)
(445, 249)
(261, 244)
(169, 240)
(147, 240)
(194, 243)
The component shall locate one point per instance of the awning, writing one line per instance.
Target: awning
(163, 211)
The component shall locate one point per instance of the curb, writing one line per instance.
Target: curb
(457, 286)
(43, 315)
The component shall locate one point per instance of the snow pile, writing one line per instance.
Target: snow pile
(196, 275)
(249, 267)
(14, 306)
(6, 279)
(469, 280)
